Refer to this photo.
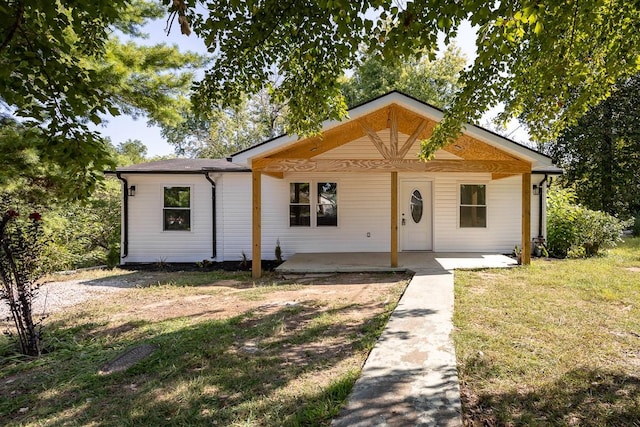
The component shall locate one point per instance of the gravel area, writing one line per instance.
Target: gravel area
(54, 296)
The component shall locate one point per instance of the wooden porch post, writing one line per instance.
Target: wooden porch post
(526, 219)
(256, 201)
(394, 219)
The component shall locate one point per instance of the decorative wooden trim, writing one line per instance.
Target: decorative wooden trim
(525, 255)
(394, 219)
(376, 140)
(393, 127)
(341, 165)
(256, 231)
(496, 176)
(472, 149)
(412, 139)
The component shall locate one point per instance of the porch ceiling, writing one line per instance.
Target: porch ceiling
(399, 152)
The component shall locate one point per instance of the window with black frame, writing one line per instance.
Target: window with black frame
(327, 204)
(177, 209)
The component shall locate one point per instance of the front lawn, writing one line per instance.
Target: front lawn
(229, 352)
(555, 343)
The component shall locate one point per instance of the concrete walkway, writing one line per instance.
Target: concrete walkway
(410, 377)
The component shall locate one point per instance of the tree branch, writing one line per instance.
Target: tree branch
(13, 28)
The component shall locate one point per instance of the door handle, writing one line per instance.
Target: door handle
(403, 220)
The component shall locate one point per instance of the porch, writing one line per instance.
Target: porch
(361, 262)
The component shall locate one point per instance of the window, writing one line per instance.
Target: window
(177, 208)
(299, 204)
(416, 206)
(473, 205)
(327, 207)
(302, 204)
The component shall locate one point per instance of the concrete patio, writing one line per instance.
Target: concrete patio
(366, 262)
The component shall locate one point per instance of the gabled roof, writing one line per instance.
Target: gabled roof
(539, 161)
(183, 166)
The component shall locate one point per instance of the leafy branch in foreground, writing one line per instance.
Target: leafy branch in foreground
(63, 70)
(546, 62)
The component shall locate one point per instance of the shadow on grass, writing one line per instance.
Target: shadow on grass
(264, 367)
(239, 279)
(588, 397)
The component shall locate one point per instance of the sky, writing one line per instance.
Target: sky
(122, 128)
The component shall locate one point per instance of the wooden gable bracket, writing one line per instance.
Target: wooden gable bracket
(393, 152)
(376, 140)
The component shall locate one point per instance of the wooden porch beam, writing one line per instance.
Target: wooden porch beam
(256, 233)
(277, 175)
(496, 176)
(394, 219)
(525, 256)
(373, 165)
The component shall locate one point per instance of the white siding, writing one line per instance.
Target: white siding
(504, 209)
(147, 240)
(236, 201)
(363, 208)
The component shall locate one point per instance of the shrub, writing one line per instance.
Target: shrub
(20, 248)
(578, 232)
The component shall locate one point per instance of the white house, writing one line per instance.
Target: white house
(358, 187)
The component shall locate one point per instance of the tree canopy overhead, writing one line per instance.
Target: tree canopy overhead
(61, 69)
(546, 61)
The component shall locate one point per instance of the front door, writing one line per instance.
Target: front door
(415, 215)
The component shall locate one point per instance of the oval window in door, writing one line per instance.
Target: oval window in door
(416, 206)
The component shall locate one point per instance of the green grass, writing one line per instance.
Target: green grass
(270, 365)
(555, 343)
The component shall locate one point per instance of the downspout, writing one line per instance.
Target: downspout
(213, 213)
(125, 214)
(540, 196)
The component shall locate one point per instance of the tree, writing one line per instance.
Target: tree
(255, 118)
(433, 81)
(547, 62)
(61, 68)
(223, 131)
(131, 152)
(601, 153)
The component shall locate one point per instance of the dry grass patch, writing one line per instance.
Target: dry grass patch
(229, 352)
(556, 343)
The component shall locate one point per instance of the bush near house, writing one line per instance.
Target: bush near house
(577, 232)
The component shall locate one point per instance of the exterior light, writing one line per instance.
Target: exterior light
(132, 190)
